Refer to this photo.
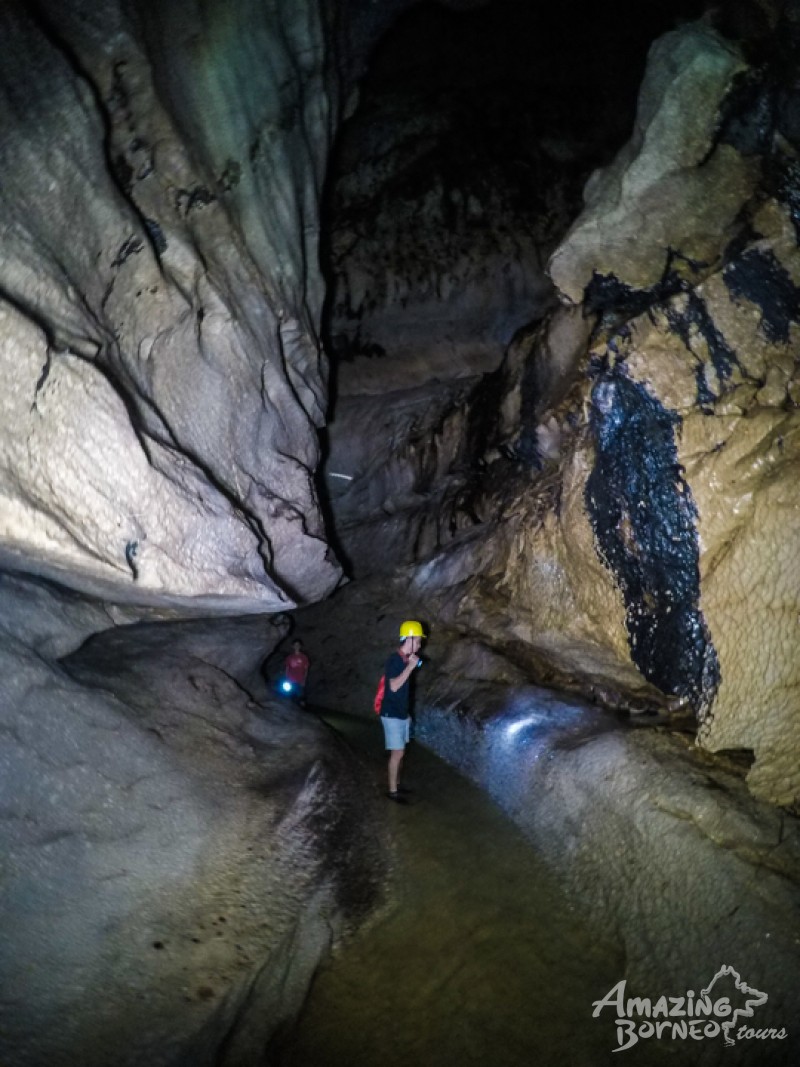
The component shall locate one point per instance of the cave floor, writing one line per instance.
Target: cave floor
(476, 959)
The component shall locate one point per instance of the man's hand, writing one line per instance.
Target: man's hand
(413, 660)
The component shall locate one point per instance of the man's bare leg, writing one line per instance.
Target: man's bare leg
(395, 759)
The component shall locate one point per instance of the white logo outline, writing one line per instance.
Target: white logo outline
(742, 987)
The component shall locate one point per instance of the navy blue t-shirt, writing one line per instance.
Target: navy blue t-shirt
(395, 705)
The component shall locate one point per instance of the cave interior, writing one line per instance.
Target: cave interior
(315, 318)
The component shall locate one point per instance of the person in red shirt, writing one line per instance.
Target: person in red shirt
(295, 671)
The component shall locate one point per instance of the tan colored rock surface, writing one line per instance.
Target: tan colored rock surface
(653, 556)
(741, 456)
(160, 300)
(663, 183)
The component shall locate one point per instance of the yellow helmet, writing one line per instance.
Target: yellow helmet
(411, 628)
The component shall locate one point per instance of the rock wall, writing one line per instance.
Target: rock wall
(398, 470)
(160, 296)
(649, 553)
(453, 178)
(178, 853)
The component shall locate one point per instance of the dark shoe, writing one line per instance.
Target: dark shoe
(404, 790)
(397, 798)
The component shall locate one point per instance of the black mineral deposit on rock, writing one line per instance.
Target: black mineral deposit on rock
(643, 516)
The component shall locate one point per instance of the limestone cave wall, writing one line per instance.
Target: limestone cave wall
(453, 178)
(162, 172)
(168, 880)
(647, 546)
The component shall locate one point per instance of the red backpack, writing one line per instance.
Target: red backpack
(377, 703)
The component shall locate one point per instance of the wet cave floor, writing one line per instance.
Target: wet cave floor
(477, 958)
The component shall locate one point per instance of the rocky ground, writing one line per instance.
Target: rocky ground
(179, 850)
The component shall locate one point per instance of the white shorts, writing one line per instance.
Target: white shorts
(397, 732)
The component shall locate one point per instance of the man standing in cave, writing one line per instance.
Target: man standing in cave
(396, 706)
